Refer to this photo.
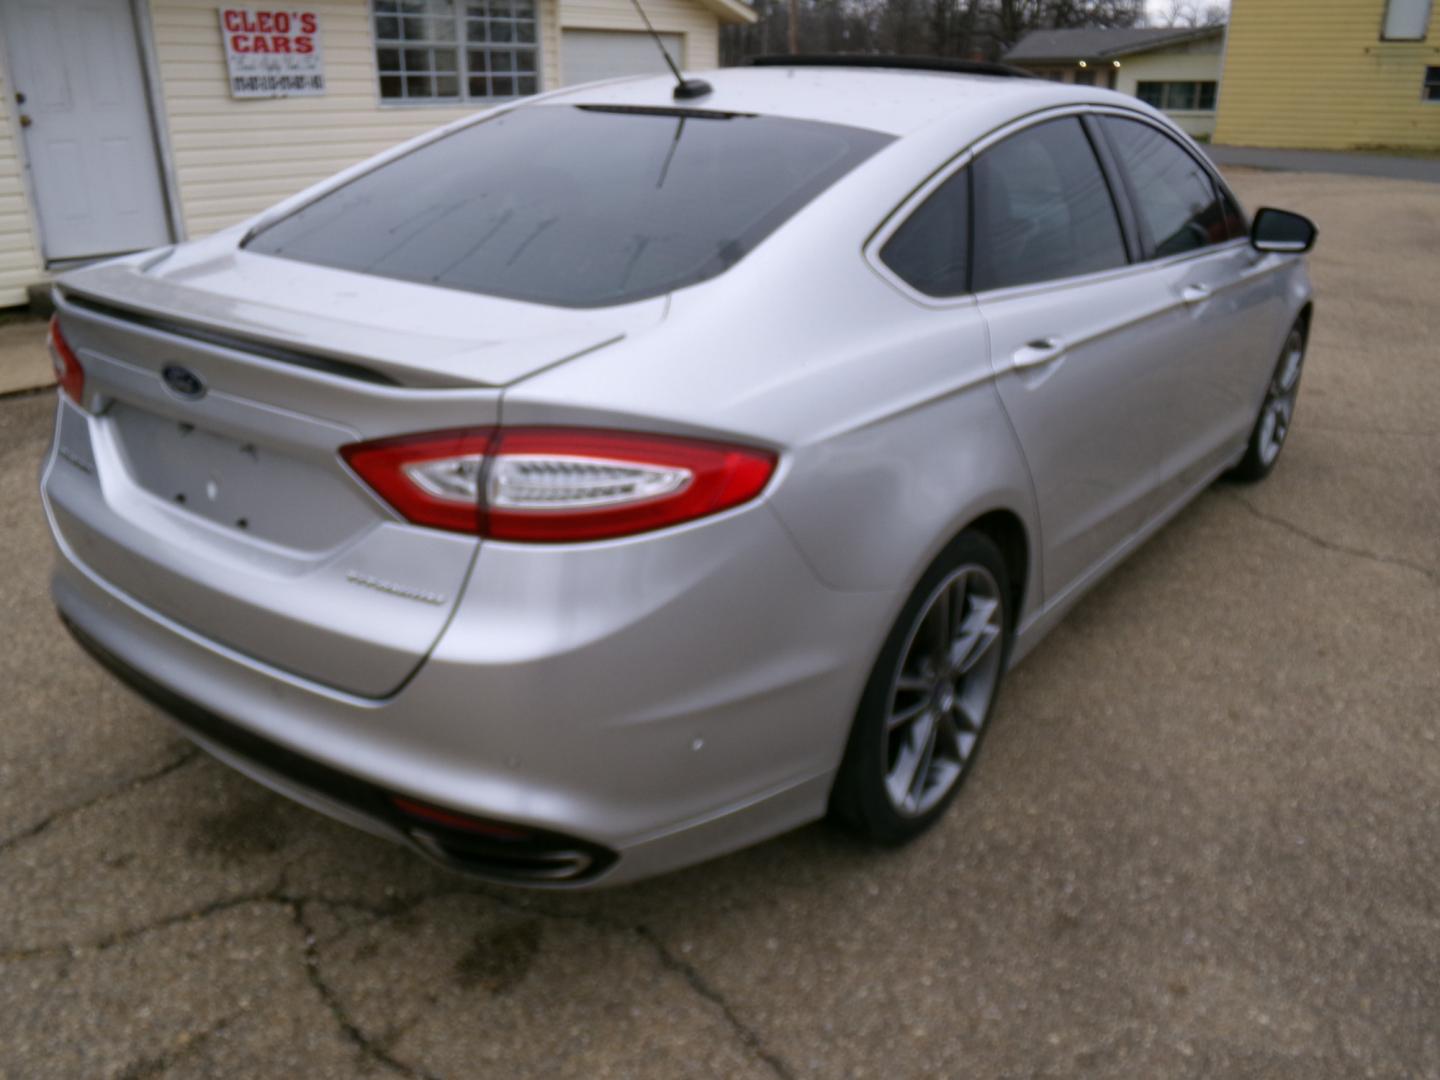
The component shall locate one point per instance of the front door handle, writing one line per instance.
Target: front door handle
(1037, 353)
(1195, 294)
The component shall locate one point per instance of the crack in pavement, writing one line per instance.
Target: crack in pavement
(700, 986)
(352, 1031)
(1331, 545)
(163, 1062)
(114, 791)
(377, 1048)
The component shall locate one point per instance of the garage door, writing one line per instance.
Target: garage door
(588, 55)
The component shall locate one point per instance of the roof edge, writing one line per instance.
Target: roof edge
(730, 11)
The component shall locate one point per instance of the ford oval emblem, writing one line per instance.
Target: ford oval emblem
(183, 382)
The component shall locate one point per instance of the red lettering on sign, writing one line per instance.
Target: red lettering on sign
(240, 43)
(307, 23)
(262, 44)
(304, 45)
(281, 45)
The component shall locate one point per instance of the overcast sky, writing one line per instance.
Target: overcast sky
(1162, 7)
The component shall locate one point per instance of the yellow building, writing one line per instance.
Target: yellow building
(1331, 75)
(129, 124)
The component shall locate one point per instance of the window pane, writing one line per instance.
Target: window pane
(1432, 84)
(1042, 209)
(502, 86)
(931, 250)
(390, 87)
(525, 84)
(1406, 20)
(1152, 93)
(388, 59)
(1236, 226)
(387, 28)
(1180, 95)
(1174, 197)
(574, 206)
(447, 86)
(1205, 98)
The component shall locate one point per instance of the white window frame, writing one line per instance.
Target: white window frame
(462, 46)
(1406, 20)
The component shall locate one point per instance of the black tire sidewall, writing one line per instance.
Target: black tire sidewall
(1253, 467)
(859, 798)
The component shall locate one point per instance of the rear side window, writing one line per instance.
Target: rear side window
(1175, 199)
(1042, 209)
(580, 206)
(931, 250)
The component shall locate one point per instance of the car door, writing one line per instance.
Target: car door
(1081, 339)
(1195, 240)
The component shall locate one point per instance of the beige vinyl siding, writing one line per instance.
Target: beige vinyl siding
(699, 27)
(233, 158)
(21, 263)
(1197, 62)
(1314, 73)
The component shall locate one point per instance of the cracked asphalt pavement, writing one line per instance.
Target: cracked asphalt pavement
(1204, 838)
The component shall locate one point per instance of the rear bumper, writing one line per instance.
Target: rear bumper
(690, 720)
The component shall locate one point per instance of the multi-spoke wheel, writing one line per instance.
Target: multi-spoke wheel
(1276, 413)
(929, 696)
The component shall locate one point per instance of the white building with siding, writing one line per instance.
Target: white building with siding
(123, 131)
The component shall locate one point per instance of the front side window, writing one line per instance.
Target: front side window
(1177, 203)
(578, 206)
(1431, 88)
(1042, 209)
(1406, 20)
(455, 50)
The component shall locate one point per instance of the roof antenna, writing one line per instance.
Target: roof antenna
(684, 88)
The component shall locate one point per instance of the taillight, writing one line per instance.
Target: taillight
(431, 479)
(558, 485)
(68, 372)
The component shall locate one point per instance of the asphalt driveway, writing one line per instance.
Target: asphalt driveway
(1204, 839)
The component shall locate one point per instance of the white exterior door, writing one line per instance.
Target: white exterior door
(80, 95)
(590, 55)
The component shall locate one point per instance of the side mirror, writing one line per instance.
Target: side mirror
(1280, 230)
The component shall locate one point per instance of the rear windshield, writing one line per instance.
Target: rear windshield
(580, 206)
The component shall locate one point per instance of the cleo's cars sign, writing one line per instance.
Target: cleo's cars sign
(272, 52)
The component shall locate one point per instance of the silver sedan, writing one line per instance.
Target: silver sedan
(620, 477)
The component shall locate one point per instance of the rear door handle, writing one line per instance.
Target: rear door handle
(1195, 294)
(1037, 353)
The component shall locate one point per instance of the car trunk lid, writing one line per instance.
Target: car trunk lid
(229, 510)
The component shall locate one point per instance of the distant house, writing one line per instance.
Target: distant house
(1174, 69)
(129, 124)
(1332, 74)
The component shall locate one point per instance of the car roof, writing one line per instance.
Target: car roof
(895, 101)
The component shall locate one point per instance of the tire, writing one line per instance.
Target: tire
(1277, 412)
(906, 704)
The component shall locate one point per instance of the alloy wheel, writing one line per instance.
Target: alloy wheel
(941, 692)
(1279, 406)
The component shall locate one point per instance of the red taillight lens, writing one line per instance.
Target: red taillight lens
(558, 485)
(68, 372)
(431, 479)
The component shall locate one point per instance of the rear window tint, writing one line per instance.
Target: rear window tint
(931, 251)
(1043, 209)
(578, 206)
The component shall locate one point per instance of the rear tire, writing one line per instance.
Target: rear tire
(1277, 413)
(926, 706)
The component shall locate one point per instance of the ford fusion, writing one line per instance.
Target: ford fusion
(611, 480)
